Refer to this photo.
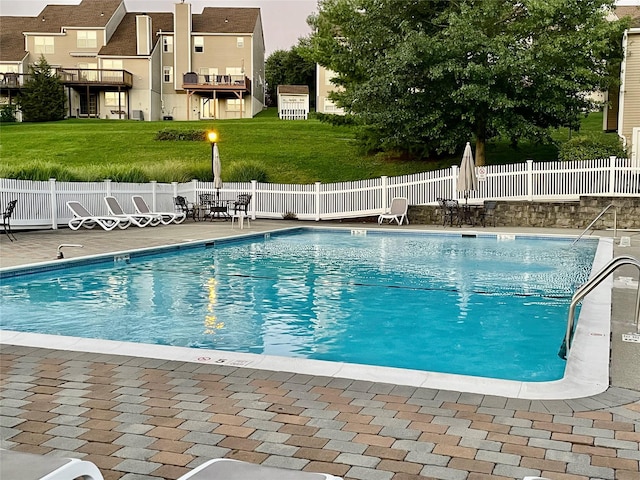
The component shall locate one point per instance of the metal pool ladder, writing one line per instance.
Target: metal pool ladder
(615, 222)
(587, 287)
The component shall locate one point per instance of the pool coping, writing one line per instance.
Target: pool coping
(586, 374)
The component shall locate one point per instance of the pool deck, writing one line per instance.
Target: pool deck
(141, 419)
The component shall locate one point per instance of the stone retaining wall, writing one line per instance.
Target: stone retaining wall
(550, 214)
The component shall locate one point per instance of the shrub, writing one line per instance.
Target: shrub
(582, 147)
(8, 114)
(335, 120)
(245, 172)
(189, 135)
(39, 171)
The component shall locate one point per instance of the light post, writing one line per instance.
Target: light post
(213, 138)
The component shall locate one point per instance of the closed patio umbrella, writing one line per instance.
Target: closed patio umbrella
(467, 179)
(217, 171)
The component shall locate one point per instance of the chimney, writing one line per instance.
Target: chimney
(181, 42)
(143, 34)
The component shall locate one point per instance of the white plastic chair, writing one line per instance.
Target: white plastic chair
(397, 211)
(138, 219)
(20, 465)
(165, 217)
(240, 210)
(228, 469)
(83, 218)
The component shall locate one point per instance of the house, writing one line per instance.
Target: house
(293, 102)
(117, 64)
(622, 107)
(324, 86)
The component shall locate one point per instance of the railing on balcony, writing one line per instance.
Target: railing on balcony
(87, 76)
(193, 80)
(12, 80)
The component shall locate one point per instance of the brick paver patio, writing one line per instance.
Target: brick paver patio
(144, 419)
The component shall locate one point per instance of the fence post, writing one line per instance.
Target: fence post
(317, 197)
(107, 186)
(612, 174)
(54, 204)
(254, 192)
(194, 182)
(154, 193)
(385, 193)
(454, 181)
(530, 180)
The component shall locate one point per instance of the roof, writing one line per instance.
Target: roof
(293, 89)
(123, 40)
(225, 20)
(96, 13)
(632, 11)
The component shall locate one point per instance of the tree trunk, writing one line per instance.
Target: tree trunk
(481, 139)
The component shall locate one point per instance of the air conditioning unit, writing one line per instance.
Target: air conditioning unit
(137, 115)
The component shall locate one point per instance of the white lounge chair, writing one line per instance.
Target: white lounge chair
(137, 219)
(28, 466)
(227, 469)
(83, 218)
(165, 217)
(397, 211)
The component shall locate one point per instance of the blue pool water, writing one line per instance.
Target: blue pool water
(483, 306)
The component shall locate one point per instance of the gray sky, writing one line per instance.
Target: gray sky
(283, 21)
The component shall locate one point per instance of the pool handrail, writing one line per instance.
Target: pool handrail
(588, 286)
(615, 222)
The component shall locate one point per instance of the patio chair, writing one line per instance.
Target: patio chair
(83, 218)
(227, 469)
(136, 219)
(185, 207)
(165, 217)
(450, 211)
(489, 212)
(20, 465)
(397, 211)
(6, 219)
(240, 210)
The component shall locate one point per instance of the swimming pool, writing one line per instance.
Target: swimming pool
(302, 292)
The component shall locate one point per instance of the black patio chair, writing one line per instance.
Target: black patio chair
(182, 205)
(240, 209)
(6, 219)
(489, 211)
(450, 210)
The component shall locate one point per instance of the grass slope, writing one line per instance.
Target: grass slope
(288, 151)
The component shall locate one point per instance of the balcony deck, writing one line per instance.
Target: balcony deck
(216, 83)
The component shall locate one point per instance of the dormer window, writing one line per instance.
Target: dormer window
(198, 44)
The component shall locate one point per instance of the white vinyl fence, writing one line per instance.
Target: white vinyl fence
(43, 204)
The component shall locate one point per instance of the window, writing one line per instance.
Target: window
(167, 44)
(87, 39)
(235, 105)
(234, 70)
(240, 42)
(43, 45)
(112, 64)
(208, 75)
(198, 44)
(88, 72)
(111, 99)
(167, 74)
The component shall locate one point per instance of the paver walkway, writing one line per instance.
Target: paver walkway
(144, 419)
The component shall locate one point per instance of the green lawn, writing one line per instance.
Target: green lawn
(288, 151)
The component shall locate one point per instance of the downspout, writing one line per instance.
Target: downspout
(623, 66)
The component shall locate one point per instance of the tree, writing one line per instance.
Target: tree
(426, 77)
(290, 67)
(42, 99)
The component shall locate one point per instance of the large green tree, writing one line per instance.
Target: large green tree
(42, 99)
(428, 76)
(290, 67)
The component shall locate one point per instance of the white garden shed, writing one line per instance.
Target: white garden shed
(293, 102)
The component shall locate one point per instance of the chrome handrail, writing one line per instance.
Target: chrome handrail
(587, 287)
(615, 222)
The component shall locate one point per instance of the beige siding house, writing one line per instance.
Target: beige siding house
(622, 111)
(117, 64)
(324, 86)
